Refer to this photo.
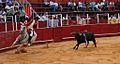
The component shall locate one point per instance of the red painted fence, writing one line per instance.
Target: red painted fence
(57, 34)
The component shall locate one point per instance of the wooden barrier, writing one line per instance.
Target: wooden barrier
(58, 33)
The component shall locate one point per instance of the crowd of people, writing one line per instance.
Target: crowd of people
(12, 8)
(101, 5)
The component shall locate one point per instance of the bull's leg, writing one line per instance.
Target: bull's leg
(87, 44)
(77, 46)
(74, 46)
(94, 41)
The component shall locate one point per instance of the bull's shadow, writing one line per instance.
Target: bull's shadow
(83, 37)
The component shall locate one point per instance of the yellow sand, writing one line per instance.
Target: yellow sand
(107, 52)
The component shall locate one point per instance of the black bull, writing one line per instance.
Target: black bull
(83, 37)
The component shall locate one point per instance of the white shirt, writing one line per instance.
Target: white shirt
(31, 34)
(74, 4)
(79, 4)
(51, 3)
(46, 3)
(56, 4)
(102, 3)
(0, 1)
(7, 7)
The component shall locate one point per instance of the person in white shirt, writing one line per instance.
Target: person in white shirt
(92, 6)
(55, 6)
(70, 5)
(46, 3)
(97, 7)
(0, 1)
(51, 6)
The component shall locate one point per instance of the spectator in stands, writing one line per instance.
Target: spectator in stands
(111, 6)
(0, 1)
(60, 7)
(103, 5)
(81, 6)
(117, 5)
(92, 6)
(87, 4)
(17, 16)
(55, 22)
(70, 5)
(55, 6)
(114, 20)
(1, 4)
(8, 6)
(74, 6)
(40, 17)
(50, 21)
(20, 1)
(51, 6)
(43, 17)
(2, 12)
(21, 10)
(97, 6)
(46, 3)
(8, 1)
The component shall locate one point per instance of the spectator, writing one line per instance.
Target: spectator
(70, 5)
(97, 6)
(114, 20)
(17, 16)
(55, 6)
(8, 1)
(60, 7)
(92, 6)
(8, 6)
(55, 22)
(0, 1)
(52, 6)
(1, 4)
(81, 6)
(50, 21)
(103, 5)
(74, 6)
(111, 6)
(40, 17)
(117, 5)
(9, 9)
(2, 14)
(21, 10)
(46, 3)
(43, 17)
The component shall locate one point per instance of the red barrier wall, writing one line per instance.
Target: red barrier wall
(57, 34)
(2, 25)
(6, 39)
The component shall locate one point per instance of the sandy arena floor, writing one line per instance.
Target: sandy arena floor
(107, 52)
